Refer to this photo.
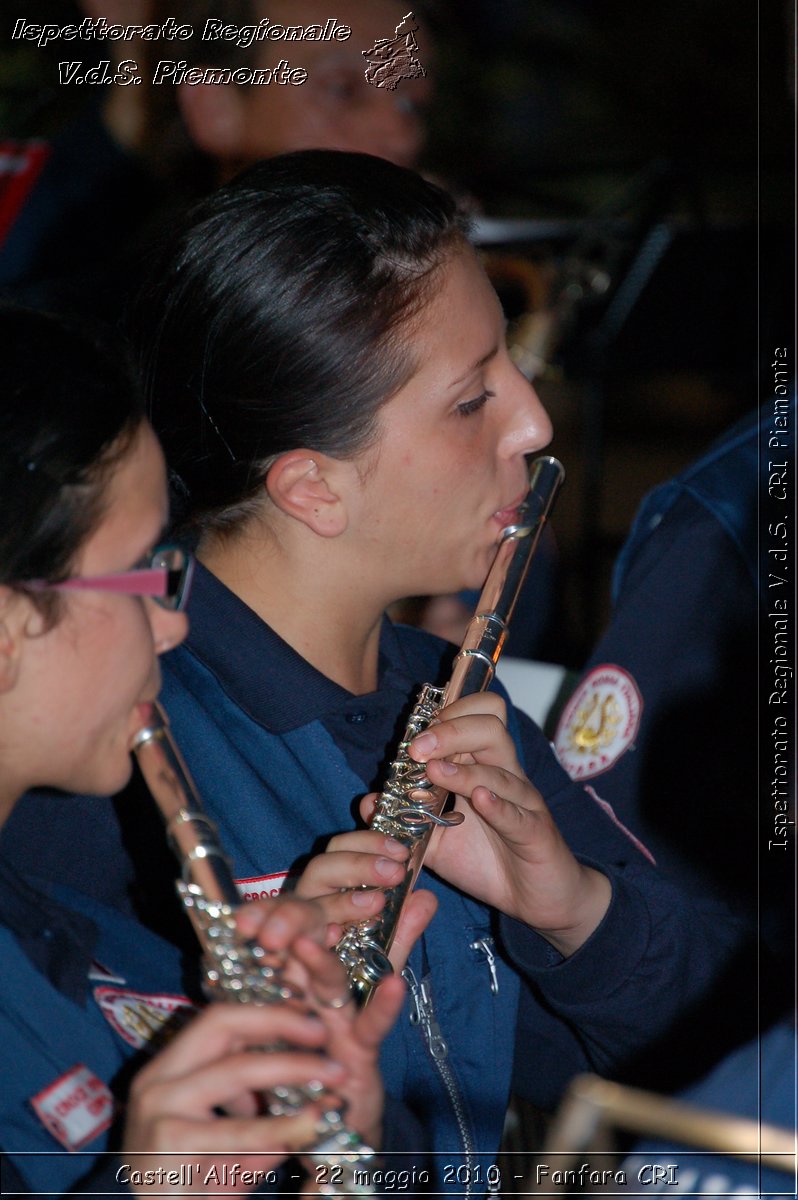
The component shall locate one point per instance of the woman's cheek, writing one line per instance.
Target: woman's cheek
(136, 651)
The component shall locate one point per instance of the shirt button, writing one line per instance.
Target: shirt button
(356, 718)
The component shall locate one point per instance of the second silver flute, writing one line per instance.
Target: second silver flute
(410, 806)
(237, 969)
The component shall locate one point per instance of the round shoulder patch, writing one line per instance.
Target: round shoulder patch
(599, 723)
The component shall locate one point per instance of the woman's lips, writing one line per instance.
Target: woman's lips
(508, 516)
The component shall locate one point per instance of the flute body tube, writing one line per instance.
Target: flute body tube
(410, 806)
(236, 969)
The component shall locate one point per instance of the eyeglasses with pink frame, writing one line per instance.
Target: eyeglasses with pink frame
(164, 575)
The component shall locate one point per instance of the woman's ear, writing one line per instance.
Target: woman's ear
(307, 486)
(12, 632)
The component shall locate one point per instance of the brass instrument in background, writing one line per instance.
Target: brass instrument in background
(236, 969)
(543, 290)
(411, 807)
(584, 1133)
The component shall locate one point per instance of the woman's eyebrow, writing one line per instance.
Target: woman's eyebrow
(475, 366)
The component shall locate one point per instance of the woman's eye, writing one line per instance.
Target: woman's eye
(471, 406)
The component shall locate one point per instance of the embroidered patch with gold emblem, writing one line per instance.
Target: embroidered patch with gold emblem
(141, 1019)
(599, 723)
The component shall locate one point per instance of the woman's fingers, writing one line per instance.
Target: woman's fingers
(269, 1136)
(226, 1028)
(367, 841)
(362, 1030)
(276, 923)
(347, 880)
(222, 1062)
(417, 913)
(367, 806)
(360, 859)
(466, 735)
(326, 978)
(527, 830)
(355, 1036)
(466, 778)
(279, 1135)
(198, 1092)
(375, 1021)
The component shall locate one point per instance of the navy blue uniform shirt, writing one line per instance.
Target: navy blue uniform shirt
(85, 994)
(281, 756)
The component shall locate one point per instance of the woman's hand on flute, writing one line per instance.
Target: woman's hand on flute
(217, 1062)
(354, 1037)
(508, 852)
(348, 878)
(175, 1100)
(298, 928)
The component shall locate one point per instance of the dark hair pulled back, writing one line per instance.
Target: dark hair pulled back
(272, 322)
(68, 412)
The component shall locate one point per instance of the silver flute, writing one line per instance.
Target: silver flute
(237, 969)
(410, 807)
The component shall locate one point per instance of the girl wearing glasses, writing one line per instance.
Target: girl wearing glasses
(86, 608)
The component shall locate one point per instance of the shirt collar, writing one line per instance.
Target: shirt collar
(260, 672)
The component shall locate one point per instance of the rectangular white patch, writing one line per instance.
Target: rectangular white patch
(75, 1108)
(262, 887)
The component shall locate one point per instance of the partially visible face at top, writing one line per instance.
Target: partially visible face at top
(335, 108)
(75, 706)
(449, 469)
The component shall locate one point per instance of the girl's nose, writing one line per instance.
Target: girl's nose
(528, 426)
(168, 628)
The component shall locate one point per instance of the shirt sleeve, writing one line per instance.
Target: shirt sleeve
(643, 999)
(684, 630)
